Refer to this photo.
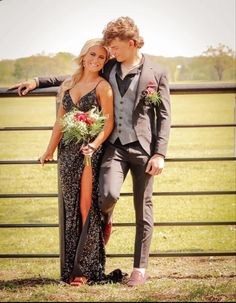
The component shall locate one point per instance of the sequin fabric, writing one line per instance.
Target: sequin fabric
(84, 247)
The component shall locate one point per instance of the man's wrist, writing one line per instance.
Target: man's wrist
(159, 155)
(36, 79)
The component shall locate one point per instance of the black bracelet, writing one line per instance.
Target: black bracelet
(94, 149)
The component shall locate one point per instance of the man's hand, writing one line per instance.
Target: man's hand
(155, 165)
(24, 87)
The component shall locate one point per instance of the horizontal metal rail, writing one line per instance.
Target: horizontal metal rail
(181, 193)
(175, 89)
(26, 128)
(208, 159)
(204, 159)
(32, 225)
(28, 196)
(160, 254)
(203, 125)
(39, 92)
(38, 128)
(219, 88)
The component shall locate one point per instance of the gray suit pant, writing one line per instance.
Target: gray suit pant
(116, 163)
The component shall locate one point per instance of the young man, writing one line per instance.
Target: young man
(139, 139)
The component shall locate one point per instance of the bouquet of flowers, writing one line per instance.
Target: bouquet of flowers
(150, 95)
(82, 126)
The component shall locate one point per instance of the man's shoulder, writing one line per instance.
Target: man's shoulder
(158, 68)
(110, 63)
(107, 68)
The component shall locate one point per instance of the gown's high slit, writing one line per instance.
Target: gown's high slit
(86, 192)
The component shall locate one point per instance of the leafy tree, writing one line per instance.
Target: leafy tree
(214, 64)
(6, 71)
(222, 58)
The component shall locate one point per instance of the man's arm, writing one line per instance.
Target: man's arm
(24, 87)
(163, 117)
(156, 163)
(50, 81)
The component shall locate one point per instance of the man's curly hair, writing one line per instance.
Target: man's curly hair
(123, 28)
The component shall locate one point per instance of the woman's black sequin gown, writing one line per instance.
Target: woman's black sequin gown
(84, 247)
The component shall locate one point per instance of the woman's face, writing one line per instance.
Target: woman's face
(95, 58)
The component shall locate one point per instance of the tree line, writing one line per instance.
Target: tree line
(214, 64)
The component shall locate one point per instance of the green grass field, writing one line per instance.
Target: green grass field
(182, 176)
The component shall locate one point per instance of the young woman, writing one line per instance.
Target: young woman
(84, 244)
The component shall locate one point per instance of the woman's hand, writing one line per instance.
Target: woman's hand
(88, 149)
(47, 156)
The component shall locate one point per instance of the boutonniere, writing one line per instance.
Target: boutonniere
(150, 95)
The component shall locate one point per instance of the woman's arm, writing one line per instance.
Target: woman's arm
(55, 137)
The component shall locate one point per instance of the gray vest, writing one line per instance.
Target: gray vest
(123, 129)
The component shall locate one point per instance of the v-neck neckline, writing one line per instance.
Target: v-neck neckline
(77, 103)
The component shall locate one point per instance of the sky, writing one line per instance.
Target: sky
(169, 27)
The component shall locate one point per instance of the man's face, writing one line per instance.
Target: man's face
(120, 49)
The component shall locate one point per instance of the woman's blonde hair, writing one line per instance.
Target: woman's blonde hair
(69, 83)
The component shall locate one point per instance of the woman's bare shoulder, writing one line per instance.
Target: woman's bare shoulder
(103, 82)
(103, 86)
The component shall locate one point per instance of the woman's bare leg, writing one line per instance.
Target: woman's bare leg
(86, 192)
(85, 204)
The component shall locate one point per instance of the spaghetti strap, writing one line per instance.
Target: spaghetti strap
(98, 83)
